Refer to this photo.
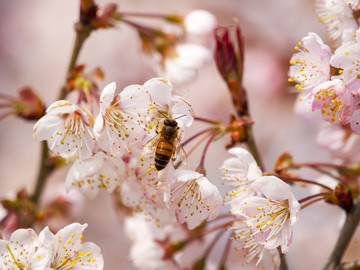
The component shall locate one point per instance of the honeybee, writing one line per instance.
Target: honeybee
(167, 143)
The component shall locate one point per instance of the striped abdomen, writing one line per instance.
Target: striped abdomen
(163, 153)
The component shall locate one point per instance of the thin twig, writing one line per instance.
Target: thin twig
(196, 135)
(205, 120)
(295, 179)
(253, 148)
(283, 263)
(322, 194)
(311, 202)
(211, 139)
(344, 237)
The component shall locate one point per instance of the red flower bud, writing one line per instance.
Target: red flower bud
(229, 58)
(28, 105)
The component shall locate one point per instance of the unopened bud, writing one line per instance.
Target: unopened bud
(28, 106)
(229, 58)
(104, 16)
(342, 197)
(238, 128)
(283, 163)
(229, 52)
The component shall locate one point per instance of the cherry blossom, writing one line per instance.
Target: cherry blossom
(68, 250)
(167, 104)
(346, 57)
(340, 140)
(334, 101)
(271, 218)
(310, 64)
(21, 251)
(67, 130)
(193, 198)
(185, 64)
(240, 172)
(199, 26)
(98, 172)
(122, 118)
(65, 250)
(337, 15)
(246, 242)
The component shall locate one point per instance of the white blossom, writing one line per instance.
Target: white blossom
(21, 252)
(122, 118)
(244, 241)
(91, 175)
(193, 198)
(67, 130)
(310, 64)
(68, 250)
(240, 172)
(271, 218)
(337, 15)
(199, 26)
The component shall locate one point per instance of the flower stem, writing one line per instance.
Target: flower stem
(143, 14)
(196, 135)
(311, 202)
(205, 120)
(344, 237)
(283, 263)
(253, 148)
(292, 179)
(202, 161)
(318, 167)
(322, 194)
(45, 170)
(82, 33)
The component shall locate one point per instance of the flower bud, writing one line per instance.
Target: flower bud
(342, 197)
(238, 129)
(283, 163)
(93, 17)
(28, 106)
(229, 58)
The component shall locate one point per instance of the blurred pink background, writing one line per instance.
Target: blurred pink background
(36, 39)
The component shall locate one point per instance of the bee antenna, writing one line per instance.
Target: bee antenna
(162, 114)
(180, 116)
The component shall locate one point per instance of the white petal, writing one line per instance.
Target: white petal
(107, 96)
(160, 90)
(180, 109)
(272, 187)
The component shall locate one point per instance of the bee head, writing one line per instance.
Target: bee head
(170, 123)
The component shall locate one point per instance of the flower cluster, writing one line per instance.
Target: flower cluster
(129, 143)
(329, 80)
(64, 250)
(264, 207)
(120, 148)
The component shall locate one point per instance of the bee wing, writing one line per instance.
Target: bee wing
(150, 145)
(179, 153)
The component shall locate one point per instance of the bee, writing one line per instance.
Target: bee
(167, 143)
